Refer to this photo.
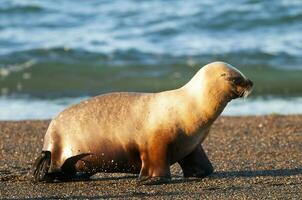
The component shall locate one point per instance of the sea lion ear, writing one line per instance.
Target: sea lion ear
(224, 74)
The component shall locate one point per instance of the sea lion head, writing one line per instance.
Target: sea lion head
(224, 79)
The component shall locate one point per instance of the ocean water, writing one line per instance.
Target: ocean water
(56, 52)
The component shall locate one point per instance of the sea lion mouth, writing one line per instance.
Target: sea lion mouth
(245, 91)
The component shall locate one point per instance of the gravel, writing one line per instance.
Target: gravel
(253, 157)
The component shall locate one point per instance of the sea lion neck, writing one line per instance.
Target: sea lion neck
(203, 104)
(206, 99)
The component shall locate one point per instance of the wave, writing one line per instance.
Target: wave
(155, 28)
(248, 58)
(19, 9)
(84, 74)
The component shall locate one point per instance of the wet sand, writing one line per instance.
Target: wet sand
(253, 157)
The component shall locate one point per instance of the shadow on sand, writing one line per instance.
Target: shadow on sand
(215, 175)
(256, 173)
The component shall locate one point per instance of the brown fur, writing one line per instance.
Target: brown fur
(144, 132)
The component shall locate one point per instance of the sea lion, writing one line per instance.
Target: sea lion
(141, 133)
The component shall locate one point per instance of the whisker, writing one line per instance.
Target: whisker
(241, 93)
(247, 93)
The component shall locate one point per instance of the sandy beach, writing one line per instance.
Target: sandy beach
(253, 157)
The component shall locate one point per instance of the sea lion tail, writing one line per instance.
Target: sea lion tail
(41, 166)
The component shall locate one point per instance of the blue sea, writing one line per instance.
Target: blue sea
(54, 53)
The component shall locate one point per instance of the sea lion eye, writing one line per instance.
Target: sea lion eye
(236, 80)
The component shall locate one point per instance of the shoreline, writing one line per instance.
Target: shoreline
(20, 108)
(253, 156)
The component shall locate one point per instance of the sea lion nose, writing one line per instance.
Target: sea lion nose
(249, 83)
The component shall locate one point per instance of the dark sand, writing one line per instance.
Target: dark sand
(254, 158)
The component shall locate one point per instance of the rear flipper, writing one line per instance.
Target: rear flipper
(41, 166)
(68, 171)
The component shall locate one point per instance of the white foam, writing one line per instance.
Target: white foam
(264, 106)
(27, 108)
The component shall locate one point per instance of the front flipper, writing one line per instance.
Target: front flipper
(155, 168)
(196, 164)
